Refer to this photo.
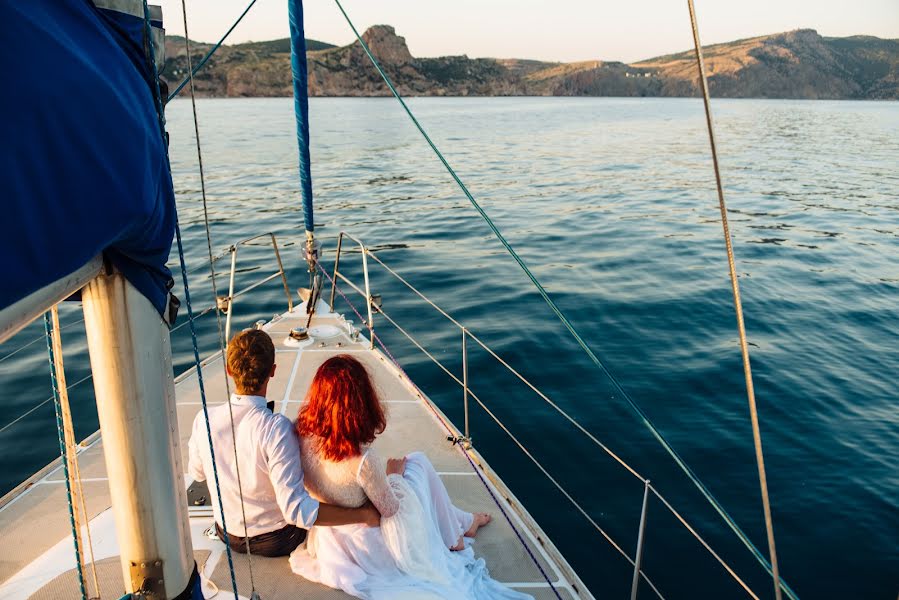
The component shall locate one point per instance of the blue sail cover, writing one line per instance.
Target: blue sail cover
(83, 165)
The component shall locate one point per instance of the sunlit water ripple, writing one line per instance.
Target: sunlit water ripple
(612, 204)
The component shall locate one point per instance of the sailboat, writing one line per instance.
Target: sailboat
(99, 231)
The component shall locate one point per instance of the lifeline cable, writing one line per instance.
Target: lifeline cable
(449, 430)
(209, 54)
(691, 475)
(63, 453)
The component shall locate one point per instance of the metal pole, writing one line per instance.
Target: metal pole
(371, 320)
(299, 78)
(465, 381)
(283, 274)
(738, 307)
(638, 559)
(230, 296)
(131, 360)
(336, 265)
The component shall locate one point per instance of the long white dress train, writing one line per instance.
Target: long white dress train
(408, 556)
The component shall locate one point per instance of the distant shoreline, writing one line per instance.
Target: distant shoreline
(798, 65)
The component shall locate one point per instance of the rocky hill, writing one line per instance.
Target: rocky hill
(796, 64)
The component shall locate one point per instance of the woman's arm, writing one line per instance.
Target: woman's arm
(372, 476)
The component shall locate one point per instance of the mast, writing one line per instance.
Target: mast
(111, 241)
(131, 359)
(301, 110)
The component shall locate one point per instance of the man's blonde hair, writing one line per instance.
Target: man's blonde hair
(251, 356)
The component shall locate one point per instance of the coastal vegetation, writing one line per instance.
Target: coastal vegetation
(794, 64)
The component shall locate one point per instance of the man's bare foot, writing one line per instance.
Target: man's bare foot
(460, 545)
(480, 519)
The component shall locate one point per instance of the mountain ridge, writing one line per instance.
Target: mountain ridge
(795, 64)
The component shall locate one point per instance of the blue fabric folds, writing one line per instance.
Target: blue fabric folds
(83, 164)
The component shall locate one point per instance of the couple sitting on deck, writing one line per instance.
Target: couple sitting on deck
(372, 528)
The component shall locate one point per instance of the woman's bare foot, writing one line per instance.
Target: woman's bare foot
(480, 519)
(460, 545)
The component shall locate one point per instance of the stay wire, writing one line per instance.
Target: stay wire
(71, 445)
(193, 71)
(521, 446)
(161, 118)
(712, 500)
(644, 418)
(36, 340)
(218, 315)
(738, 308)
(546, 399)
(39, 405)
(63, 453)
(449, 430)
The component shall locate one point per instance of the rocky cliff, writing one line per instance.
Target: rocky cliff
(796, 64)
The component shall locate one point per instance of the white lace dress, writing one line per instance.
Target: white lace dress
(408, 556)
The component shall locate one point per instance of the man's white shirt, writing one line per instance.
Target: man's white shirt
(271, 473)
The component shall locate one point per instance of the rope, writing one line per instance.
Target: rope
(71, 446)
(197, 362)
(203, 61)
(738, 307)
(159, 112)
(189, 321)
(450, 431)
(495, 501)
(643, 417)
(218, 319)
(63, 453)
(597, 361)
(590, 436)
(705, 544)
(496, 419)
(558, 486)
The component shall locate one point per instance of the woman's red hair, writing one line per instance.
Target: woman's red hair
(342, 408)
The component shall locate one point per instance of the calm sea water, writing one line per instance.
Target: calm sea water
(612, 204)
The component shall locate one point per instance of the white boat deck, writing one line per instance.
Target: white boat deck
(37, 560)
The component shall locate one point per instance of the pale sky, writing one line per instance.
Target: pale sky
(552, 30)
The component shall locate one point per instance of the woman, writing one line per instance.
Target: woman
(419, 550)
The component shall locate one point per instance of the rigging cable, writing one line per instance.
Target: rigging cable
(71, 446)
(738, 307)
(38, 405)
(218, 316)
(36, 340)
(656, 433)
(644, 418)
(193, 71)
(521, 446)
(63, 452)
(160, 115)
(451, 432)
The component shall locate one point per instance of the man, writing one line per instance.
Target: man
(279, 510)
